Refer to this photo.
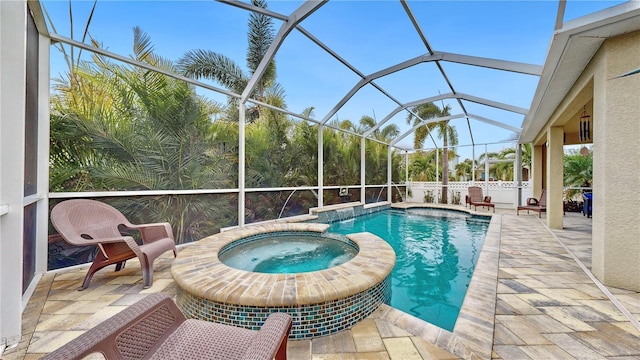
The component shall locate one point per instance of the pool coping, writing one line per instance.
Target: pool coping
(198, 271)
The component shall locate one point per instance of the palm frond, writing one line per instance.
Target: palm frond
(86, 27)
(260, 36)
(213, 66)
(142, 45)
(71, 31)
(130, 177)
(389, 132)
(58, 44)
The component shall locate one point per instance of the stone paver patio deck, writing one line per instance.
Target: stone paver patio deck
(530, 299)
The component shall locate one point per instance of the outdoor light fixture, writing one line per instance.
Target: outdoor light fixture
(585, 126)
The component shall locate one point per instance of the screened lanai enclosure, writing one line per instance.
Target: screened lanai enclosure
(210, 114)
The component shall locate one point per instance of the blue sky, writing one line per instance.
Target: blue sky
(370, 35)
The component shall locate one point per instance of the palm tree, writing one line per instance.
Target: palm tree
(578, 171)
(504, 170)
(422, 168)
(424, 111)
(376, 153)
(388, 133)
(464, 169)
(342, 153)
(141, 130)
(527, 155)
(447, 133)
(208, 64)
(304, 149)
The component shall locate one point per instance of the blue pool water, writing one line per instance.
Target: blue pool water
(436, 252)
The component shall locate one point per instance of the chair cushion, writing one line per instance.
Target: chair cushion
(198, 339)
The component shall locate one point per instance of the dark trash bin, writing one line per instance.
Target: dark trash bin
(588, 203)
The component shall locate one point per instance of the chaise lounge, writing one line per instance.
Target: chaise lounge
(155, 328)
(476, 198)
(533, 204)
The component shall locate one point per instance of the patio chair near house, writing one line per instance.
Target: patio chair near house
(476, 198)
(83, 222)
(155, 328)
(533, 204)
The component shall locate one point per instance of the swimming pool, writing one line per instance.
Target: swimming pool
(436, 253)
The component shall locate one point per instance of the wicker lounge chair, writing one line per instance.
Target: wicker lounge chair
(155, 328)
(83, 222)
(533, 204)
(475, 198)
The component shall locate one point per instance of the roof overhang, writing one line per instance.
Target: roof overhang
(572, 48)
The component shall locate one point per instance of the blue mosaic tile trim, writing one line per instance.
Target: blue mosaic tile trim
(309, 321)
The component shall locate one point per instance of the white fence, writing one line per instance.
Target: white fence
(503, 193)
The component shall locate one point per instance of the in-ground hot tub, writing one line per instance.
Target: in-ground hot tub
(321, 302)
(288, 252)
